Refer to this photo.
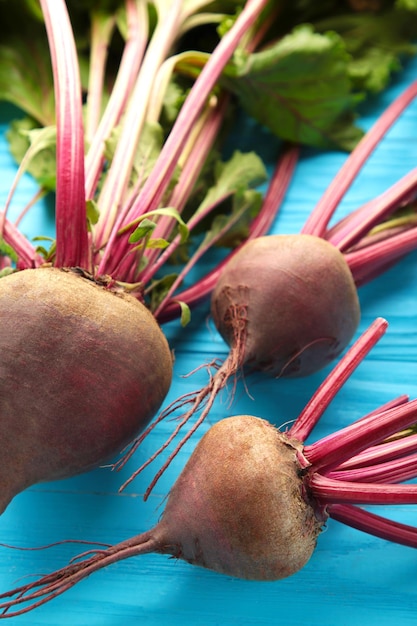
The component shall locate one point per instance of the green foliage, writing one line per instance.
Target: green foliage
(7, 251)
(34, 148)
(299, 88)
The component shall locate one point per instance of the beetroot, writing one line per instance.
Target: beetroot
(286, 305)
(87, 369)
(251, 500)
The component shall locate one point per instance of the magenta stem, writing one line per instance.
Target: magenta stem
(319, 218)
(72, 242)
(381, 453)
(188, 177)
(137, 33)
(329, 491)
(373, 212)
(102, 27)
(328, 389)
(336, 448)
(373, 524)
(27, 257)
(370, 261)
(394, 471)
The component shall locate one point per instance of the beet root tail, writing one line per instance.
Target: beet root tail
(27, 597)
(203, 400)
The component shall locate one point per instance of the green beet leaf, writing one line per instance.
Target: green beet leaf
(299, 88)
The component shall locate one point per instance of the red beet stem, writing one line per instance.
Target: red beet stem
(328, 491)
(319, 218)
(136, 39)
(328, 389)
(350, 230)
(332, 450)
(72, 242)
(381, 453)
(374, 524)
(393, 471)
(371, 261)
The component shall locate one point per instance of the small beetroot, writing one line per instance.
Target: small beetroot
(276, 315)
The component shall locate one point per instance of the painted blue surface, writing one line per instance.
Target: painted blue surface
(352, 578)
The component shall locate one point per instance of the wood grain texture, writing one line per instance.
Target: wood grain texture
(352, 578)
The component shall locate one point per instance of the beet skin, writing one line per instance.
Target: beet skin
(82, 371)
(286, 304)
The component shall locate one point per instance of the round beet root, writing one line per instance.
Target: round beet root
(82, 371)
(286, 304)
(239, 508)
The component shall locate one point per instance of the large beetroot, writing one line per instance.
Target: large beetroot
(86, 369)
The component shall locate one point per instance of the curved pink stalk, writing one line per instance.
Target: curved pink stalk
(319, 218)
(381, 453)
(27, 257)
(370, 261)
(328, 389)
(394, 471)
(350, 230)
(137, 33)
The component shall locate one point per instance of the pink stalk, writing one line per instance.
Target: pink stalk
(278, 185)
(137, 35)
(201, 143)
(115, 185)
(319, 218)
(370, 261)
(27, 257)
(381, 453)
(374, 524)
(373, 212)
(330, 491)
(102, 27)
(158, 181)
(332, 450)
(315, 408)
(72, 244)
(394, 471)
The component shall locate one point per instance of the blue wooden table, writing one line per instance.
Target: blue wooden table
(352, 578)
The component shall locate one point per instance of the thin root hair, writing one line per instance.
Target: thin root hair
(204, 399)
